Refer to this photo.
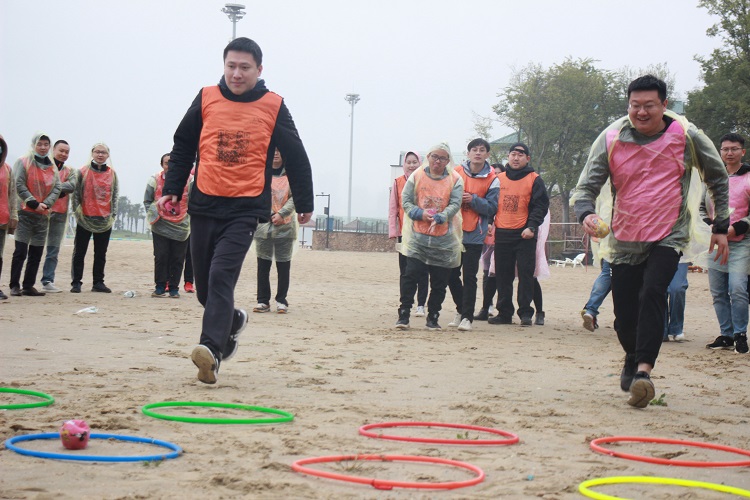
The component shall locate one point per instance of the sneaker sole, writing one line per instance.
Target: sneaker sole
(419, 315)
(642, 391)
(740, 352)
(256, 310)
(280, 311)
(402, 327)
(204, 360)
(433, 328)
(464, 328)
(588, 323)
(721, 348)
(57, 290)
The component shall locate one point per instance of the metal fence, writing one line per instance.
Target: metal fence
(337, 224)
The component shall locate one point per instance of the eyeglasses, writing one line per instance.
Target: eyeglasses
(99, 152)
(443, 159)
(647, 108)
(730, 150)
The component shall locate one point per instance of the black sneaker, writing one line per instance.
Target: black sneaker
(101, 288)
(239, 322)
(740, 343)
(32, 292)
(482, 315)
(15, 291)
(432, 323)
(629, 368)
(642, 390)
(526, 321)
(403, 319)
(722, 342)
(499, 320)
(3, 296)
(75, 288)
(539, 319)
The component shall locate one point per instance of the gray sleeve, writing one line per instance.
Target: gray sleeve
(714, 174)
(19, 175)
(454, 205)
(595, 173)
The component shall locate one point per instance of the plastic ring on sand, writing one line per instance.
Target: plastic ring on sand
(48, 400)
(176, 450)
(285, 416)
(665, 461)
(383, 484)
(583, 488)
(512, 438)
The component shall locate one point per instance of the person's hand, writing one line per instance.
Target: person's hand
(304, 218)
(590, 225)
(722, 248)
(427, 216)
(466, 198)
(277, 220)
(439, 218)
(161, 201)
(527, 234)
(12, 226)
(42, 208)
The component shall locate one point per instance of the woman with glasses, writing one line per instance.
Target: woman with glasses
(431, 234)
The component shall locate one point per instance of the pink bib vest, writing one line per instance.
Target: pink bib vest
(739, 200)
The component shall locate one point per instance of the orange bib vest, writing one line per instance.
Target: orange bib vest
(398, 185)
(176, 219)
(432, 196)
(234, 143)
(61, 205)
(473, 185)
(39, 182)
(280, 195)
(97, 192)
(513, 202)
(5, 180)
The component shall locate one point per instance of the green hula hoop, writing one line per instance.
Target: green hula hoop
(48, 400)
(285, 416)
(583, 488)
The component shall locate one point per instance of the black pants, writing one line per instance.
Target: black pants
(465, 294)
(81, 246)
(511, 254)
(169, 257)
(416, 270)
(32, 265)
(489, 288)
(538, 302)
(219, 247)
(188, 263)
(421, 286)
(639, 295)
(264, 281)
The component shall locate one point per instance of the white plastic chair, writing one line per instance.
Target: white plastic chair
(578, 261)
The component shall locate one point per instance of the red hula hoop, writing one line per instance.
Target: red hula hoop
(665, 461)
(512, 438)
(384, 484)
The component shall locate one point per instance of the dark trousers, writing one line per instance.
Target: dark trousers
(188, 263)
(538, 302)
(416, 270)
(264, 281)
(639, 295)
(219, 247)
(81, 246)
(465, 294)
(421, 286)
(32, 265)
(511, 254)
(169, 257)
(489, 288)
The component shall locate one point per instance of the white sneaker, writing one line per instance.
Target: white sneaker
(261, 308)
(281, 308)
(491, 311)
(678, 338)
(456, 320)
(465, 325)
(51, 288)
(420, 312)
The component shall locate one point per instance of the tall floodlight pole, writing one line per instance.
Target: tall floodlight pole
(235, 12)
(352, 99)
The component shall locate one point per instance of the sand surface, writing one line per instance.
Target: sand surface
(336, 363)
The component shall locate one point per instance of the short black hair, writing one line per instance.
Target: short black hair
(161, 162)
(649, 82)
(61, 141)
(732, 137)
(243, 44)
(478, 142)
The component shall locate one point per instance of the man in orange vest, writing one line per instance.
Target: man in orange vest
(235, 127)
(478, 207)
(8, 203)
(521, 208)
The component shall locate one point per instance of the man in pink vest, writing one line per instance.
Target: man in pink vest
(650, 155)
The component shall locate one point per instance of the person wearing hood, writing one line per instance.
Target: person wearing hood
(94, 204)
(8, 203)
(431, 234)
(522, 205)
(38, 186)
(396, 222)
(478, 207)
(276, 240)
(58, 219)
(238, 125)
(728, 282)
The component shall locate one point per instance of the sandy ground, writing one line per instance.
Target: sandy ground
(336, 363)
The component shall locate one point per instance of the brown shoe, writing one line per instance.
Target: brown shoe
(32, 292)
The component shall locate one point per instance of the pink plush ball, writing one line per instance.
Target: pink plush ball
(74, 434)
(172, 208)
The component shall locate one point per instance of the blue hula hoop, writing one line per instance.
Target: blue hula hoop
(176, 450)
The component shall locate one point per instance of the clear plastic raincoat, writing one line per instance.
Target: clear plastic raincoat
(94, 201)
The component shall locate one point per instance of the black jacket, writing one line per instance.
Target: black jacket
(538, 205)
(284, 137)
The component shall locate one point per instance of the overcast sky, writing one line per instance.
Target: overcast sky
(124, 72)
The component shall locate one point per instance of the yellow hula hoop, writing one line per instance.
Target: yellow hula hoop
(583, 488)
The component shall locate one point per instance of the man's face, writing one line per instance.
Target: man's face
(517, 159)
(438, 160)
(410, 165)
(241, 73)
(277, 160)
(100, 154)
(478, 155)
(165, 163)
(61, 152)
(732, 152)
(41, 147)
(646, 111)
